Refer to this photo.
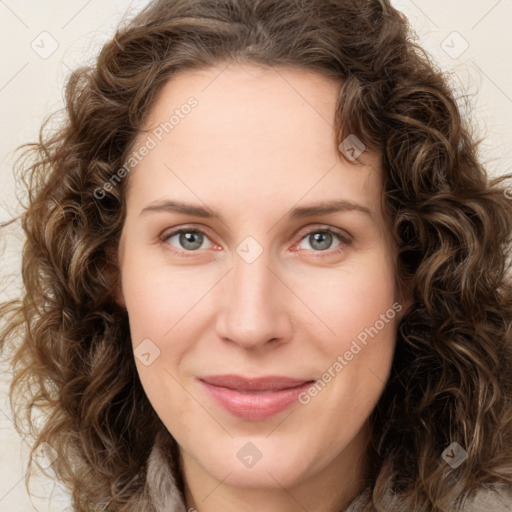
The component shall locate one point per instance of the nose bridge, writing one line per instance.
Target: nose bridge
(252, 313)
(252, 282)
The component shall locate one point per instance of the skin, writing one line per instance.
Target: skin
(259, 143)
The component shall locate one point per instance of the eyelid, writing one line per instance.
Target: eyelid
(344, 236)
(168, 233)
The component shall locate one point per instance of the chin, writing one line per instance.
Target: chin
(256, 463)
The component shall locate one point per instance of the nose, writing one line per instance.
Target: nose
(254, 309)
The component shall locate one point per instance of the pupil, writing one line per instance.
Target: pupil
(324, 240)
(187, 240)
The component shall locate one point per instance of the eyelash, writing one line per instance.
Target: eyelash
(345, 241)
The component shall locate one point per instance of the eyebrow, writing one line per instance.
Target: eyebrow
(299, 212)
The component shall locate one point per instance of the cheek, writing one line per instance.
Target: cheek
(159, 298)
(348, 300)
(366, 337)
(162, 323)
(166, 315)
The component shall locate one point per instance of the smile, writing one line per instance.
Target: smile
(254, 399)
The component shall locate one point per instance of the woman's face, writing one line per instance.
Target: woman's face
(255, 285)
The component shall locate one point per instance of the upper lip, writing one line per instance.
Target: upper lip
(269, 383)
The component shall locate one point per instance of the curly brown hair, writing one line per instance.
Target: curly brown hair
(451, 378)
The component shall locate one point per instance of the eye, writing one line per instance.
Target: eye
(186, 240)
(320, 240)
(190, 240)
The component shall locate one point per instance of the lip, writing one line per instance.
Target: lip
(254, 399)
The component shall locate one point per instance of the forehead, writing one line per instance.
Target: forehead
(243, 109)
(256, 135)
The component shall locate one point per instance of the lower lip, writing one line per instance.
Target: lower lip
(255, 406)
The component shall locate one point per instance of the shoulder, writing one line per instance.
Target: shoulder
(498, 499)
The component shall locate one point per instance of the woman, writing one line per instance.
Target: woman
(265, 270)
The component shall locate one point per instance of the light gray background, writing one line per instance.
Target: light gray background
(31, 82)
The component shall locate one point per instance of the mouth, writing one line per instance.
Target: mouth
(254, 399)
